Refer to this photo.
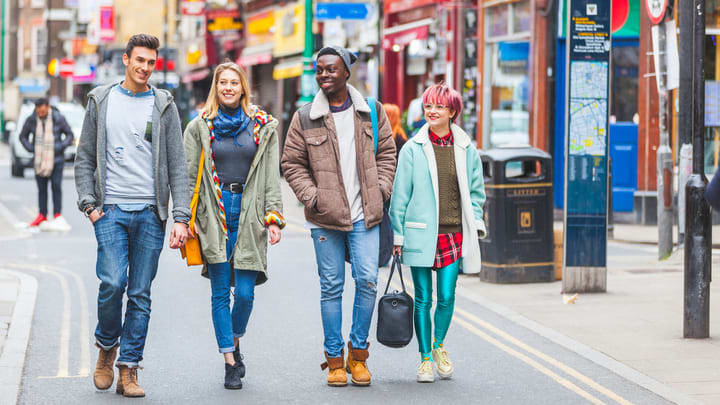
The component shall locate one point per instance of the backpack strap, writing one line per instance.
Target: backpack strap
(374, 120)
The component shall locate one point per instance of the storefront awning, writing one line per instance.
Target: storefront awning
(256, 55)
(195, 75)
(288, 68)
(403, 34)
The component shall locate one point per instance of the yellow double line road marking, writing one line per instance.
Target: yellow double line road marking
(473, 323)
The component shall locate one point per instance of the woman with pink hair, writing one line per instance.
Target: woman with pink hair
(437, 217)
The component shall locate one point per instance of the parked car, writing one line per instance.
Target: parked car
(20, 158)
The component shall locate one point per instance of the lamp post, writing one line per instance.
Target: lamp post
(308, 75)
(698, 233)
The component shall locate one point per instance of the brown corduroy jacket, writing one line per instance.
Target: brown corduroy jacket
(311, 163)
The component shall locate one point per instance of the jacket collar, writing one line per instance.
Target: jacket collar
(321, 107)
(462, 139)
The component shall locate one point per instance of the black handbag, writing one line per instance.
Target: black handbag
(395, 313)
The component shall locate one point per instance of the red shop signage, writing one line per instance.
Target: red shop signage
(403, 38)
(393, 6)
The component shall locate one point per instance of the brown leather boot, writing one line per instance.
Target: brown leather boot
(356, 365)
(104, 374)
(127, 384)
(336, 374)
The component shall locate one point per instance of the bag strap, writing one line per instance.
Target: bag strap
(395, 262)
(374, 120)
(194, 201)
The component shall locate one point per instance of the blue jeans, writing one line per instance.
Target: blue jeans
(229, 324)
(363, 246)
(129, 245)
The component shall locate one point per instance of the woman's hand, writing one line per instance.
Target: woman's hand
(397, 251)
(274, 233)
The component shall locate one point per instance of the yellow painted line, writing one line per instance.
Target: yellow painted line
(534, 364)
(506, 186)
(569, 370)
(83, 335)
(460, 313)
(502, 266)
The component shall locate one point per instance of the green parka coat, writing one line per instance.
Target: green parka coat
(261, 195)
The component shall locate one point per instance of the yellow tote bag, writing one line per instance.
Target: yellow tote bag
(191, 251)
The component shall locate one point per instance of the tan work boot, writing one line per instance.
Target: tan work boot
(104, 375)
(356, 365)
(127, 384)
(336, 374)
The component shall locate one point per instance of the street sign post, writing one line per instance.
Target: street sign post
(67, 67)
(586, 146)
(342, 11)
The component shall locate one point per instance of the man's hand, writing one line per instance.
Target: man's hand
(275, 234)
(179, 235)
(95, 215)
(397, 251)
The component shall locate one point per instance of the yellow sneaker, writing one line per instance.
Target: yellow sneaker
(442, 362)
(425, 372)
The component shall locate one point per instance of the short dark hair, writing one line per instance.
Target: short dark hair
(142, 40)
(41, 101)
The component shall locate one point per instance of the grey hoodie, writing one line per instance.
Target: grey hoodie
(168, 152)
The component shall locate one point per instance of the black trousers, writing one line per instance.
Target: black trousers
(55, 180)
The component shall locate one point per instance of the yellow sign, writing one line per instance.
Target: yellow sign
(225, 24)
(289, 30)
(287, 70)
(53, 68)
(525, 219)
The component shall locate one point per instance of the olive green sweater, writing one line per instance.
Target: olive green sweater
(450, 212)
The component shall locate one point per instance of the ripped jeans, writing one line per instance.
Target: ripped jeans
(362, 246)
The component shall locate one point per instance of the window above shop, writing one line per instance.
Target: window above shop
(508, 21)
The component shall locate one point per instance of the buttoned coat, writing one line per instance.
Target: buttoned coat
(414, 206)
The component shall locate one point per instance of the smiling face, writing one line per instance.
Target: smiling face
(139, 65)
(229, 88)
(331, 74)
(438, 115)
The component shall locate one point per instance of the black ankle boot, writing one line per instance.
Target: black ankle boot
(232, 377)
(239, 361)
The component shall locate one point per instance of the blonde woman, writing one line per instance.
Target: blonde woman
(239, 146)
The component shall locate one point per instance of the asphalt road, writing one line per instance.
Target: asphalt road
(497, 361)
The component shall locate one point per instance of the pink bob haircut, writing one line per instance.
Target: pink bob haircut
(441, 94)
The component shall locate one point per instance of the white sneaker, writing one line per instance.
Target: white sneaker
(442, 361)
(58, 224)
(425, 372)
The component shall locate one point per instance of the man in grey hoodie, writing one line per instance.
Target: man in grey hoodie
(129, 160)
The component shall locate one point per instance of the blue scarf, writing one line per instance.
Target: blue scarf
(230, 123)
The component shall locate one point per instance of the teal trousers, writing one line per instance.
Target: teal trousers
(446, 281)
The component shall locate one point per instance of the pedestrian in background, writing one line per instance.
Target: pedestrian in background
(51, 136)
(437, 216)
(395, 118)
(331, 164)
(239, 147)
(129, 160)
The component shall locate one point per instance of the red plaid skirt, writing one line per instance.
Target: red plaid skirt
(449, 249)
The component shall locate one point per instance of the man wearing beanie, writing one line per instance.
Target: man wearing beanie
(331, 164)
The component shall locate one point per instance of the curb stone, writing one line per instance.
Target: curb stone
(12, 356)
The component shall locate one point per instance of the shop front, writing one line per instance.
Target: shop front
(289, 43)
(420, 47)
(257, 59)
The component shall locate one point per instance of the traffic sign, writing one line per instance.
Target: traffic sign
(67, 67)
(656, 10)
(342, 11)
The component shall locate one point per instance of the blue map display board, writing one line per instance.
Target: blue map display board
(586, 140)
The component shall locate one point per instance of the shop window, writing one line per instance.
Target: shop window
(508, 20)
(509, 94)
(624, 106)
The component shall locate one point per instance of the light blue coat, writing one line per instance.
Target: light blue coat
(414, 208)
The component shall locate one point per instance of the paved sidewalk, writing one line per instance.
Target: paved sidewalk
(649, 235)
(18, 293)
(638, 322)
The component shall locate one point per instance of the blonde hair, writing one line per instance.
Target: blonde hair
(213, 101)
